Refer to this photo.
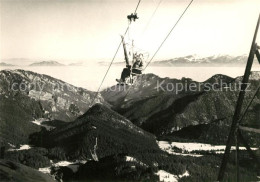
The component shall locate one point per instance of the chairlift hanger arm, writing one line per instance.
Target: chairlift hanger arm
(125, 51)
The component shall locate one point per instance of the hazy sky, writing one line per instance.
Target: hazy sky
(83, 29)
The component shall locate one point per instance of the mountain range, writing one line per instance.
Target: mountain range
(194, 60)
(163, 112)
(190, 60)
(146, 104)
(118, 135)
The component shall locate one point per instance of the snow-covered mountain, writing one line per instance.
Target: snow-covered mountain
(215, 60)
(46, 63)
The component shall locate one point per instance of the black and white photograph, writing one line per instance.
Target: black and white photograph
(129, 90)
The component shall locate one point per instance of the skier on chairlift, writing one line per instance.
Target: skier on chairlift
(138, 63)
(136, 69)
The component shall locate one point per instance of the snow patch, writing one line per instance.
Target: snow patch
(39, 121)
(183, 154)
(63, 163)
(190, 147)
(128, 158)
(203, 147)
(184, 174)
(45, 170)
(132, 159)
(11, 145)
(22, 147)
(168, 177)
(167, 147)
(74, 166)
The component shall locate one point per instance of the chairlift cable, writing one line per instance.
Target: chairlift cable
(169, 33)
(150, 19)
(137, 6)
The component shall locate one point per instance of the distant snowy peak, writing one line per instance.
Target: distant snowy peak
(46, 63)
(209, 60)
(190, 58)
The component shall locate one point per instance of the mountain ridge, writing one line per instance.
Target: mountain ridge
(33, 96)
(6, 64)
(102, 127)
(163, 112)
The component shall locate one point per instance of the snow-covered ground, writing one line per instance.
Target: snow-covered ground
(22, 147)
(39, 121)
(186, 148)
(132, 159)
(202, 146)
(63, 163)
(129, 158)
(168, 177)
(45, 170)
(11, 145)
(183, 154)
(72, 165)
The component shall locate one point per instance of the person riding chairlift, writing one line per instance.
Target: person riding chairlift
(138, 63)
(136, 68)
